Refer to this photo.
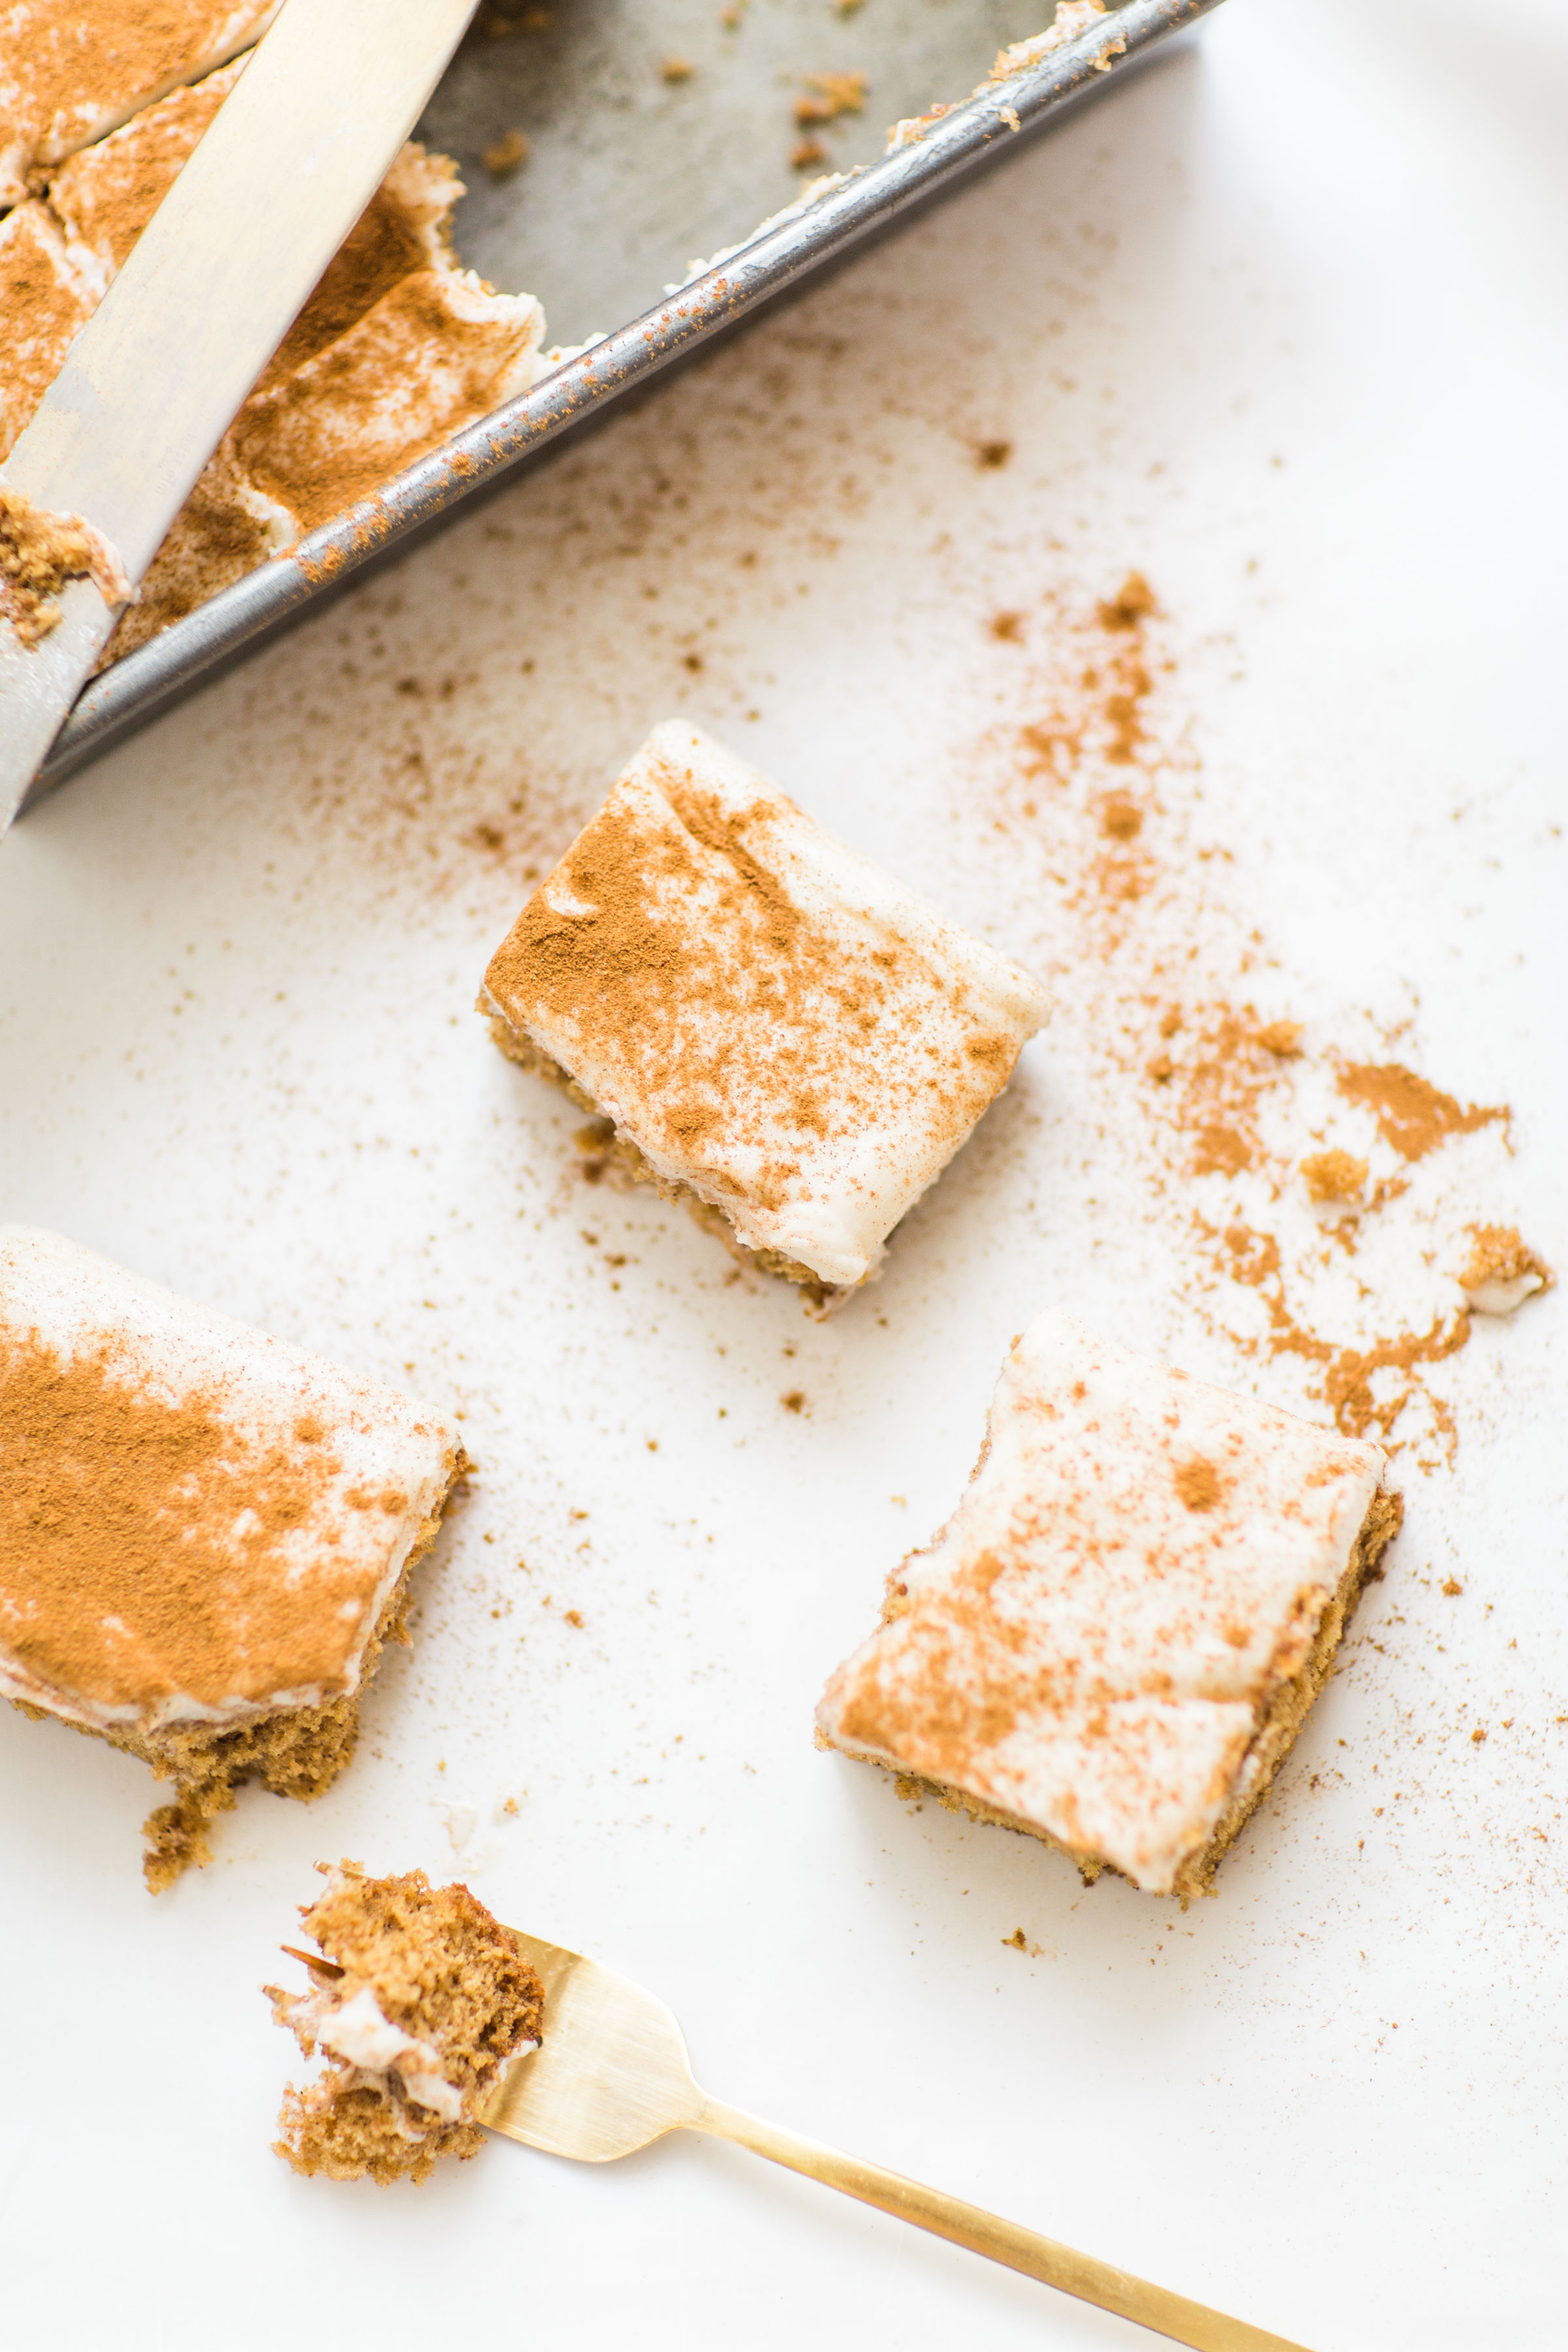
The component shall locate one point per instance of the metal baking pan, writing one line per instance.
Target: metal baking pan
(628, 176)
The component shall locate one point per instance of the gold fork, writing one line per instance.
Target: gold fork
(612, 2074)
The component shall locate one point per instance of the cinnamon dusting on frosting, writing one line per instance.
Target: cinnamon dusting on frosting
(1197, 1483)
(145, 1543)
(39, 552)
(1115, 1636)
(1498, 1254)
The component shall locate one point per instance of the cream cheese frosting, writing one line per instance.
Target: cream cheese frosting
(771, 1020)
(1090, 1644)
(199, 1523)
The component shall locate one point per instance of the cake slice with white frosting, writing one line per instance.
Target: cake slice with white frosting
(205, 1534)
(420, 2000)
(767, 1024)
(1114, 1639)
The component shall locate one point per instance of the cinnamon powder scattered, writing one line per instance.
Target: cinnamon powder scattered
(1219, 1103)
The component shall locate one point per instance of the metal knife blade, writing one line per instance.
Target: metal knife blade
(217, 279)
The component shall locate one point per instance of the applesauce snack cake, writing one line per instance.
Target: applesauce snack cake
(767, 1025)
(205, 1534)
(420, 2000)
(397, 348)
(1112, 1643)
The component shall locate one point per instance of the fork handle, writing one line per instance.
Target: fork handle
(1001, 2241)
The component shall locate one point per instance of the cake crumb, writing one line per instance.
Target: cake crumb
(991, 454)
(1281, 1037)
(503, 155)
(1132, 603)
(1334, 1176)
(805, 152)
(1452, 1587)
(677, 70)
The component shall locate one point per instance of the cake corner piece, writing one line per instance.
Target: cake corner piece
(1114, 1641)
(766, 1025)
(302, 1497)
(419, 2000)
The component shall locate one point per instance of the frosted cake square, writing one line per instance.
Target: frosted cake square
(205, 1534)
(1112, 1643)
(768, 1025)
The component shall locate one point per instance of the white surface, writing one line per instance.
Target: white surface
(237, 965)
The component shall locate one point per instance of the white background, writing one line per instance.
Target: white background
(1294, 303)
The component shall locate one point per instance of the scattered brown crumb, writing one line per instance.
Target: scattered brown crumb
(1197, 1483)
(1017, 1941)
(1452, 1587)
(794, 1401)
(1334, 1176)
(1281, 1037)
(992, 452)
(503, 155)
(829, 95)
(39, 552)
(677, 70)
(1120, 818)
(1007, 627)
(805, 152)
(1478, 1735)
(573, 1617)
